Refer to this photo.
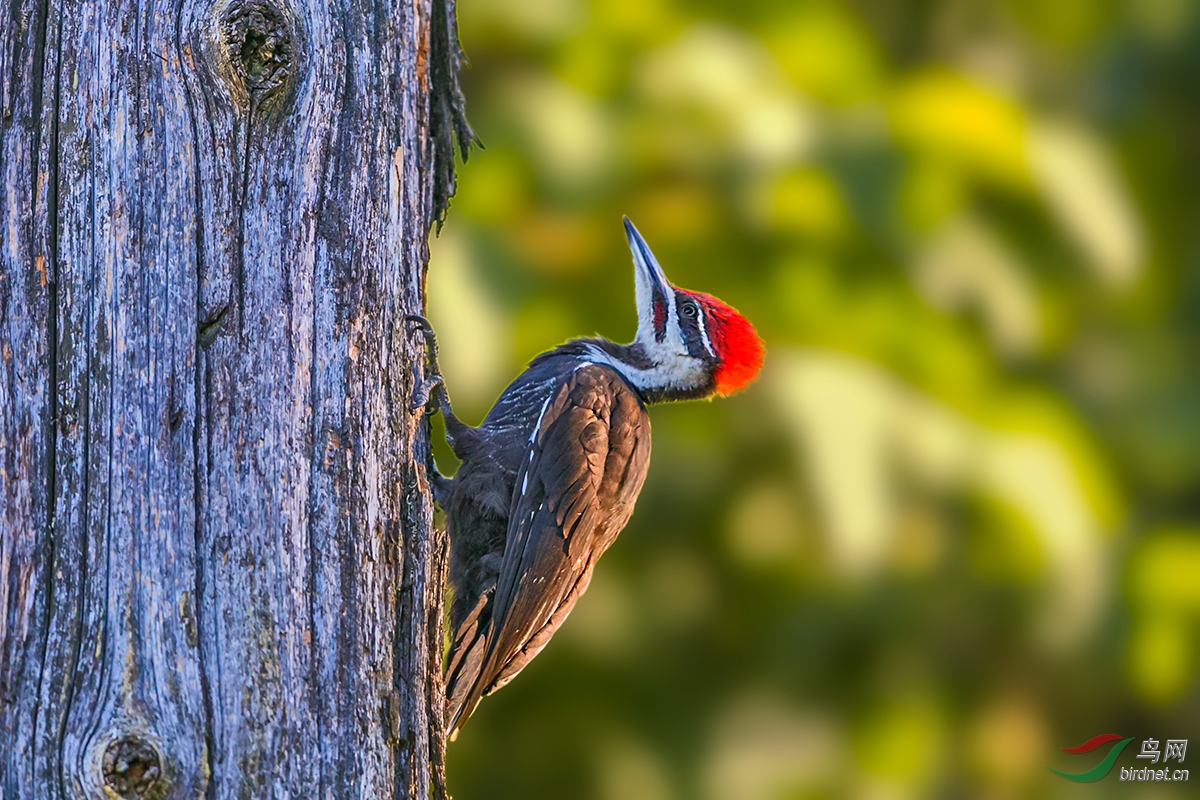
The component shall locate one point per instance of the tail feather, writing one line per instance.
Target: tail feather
(465, 664)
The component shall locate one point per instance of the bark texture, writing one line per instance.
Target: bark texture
(218, 573)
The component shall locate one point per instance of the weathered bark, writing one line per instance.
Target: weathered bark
(218, 574)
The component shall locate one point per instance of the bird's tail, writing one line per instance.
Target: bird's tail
(465, 664)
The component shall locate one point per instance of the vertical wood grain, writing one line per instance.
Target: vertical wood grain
(218, 576)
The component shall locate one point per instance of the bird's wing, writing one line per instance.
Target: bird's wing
(588, 456)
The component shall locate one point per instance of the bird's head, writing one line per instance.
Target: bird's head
(692, 344)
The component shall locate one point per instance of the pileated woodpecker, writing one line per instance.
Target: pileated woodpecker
(550, 477)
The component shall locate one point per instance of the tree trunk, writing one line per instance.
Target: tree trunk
(218, 574)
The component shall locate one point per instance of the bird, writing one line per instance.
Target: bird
(551, 475)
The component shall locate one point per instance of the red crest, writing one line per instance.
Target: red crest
(736, 342)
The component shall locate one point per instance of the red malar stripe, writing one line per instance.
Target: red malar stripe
(1093, 743)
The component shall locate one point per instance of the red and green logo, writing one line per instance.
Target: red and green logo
(1100, 770)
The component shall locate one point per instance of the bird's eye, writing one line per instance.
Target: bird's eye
(689, 310)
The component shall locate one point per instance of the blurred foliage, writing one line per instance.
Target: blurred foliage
(956, 525)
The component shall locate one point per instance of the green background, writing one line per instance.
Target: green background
(955, 526)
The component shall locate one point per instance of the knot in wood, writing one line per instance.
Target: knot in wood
(131, 767)
(260, 45)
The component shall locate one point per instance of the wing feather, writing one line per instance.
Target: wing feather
(574, 494)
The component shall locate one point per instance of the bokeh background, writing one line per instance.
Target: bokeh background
(955, 526)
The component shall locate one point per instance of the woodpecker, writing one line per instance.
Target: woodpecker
(550, 477)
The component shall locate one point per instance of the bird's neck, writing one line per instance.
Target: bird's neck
(658, 379)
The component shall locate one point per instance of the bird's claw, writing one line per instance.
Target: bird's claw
(429, 394)
(423, 394)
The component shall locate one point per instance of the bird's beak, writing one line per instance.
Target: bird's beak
(647, 264)
(655, 298)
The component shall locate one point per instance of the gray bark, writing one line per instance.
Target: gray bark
(218, 573)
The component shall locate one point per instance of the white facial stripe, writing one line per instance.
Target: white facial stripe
(677, 371)
(674, 332)
(704, 332)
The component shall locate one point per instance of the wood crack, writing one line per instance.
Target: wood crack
(41, 34)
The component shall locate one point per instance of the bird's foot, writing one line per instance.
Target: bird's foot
(430, 393)
(423, 394)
